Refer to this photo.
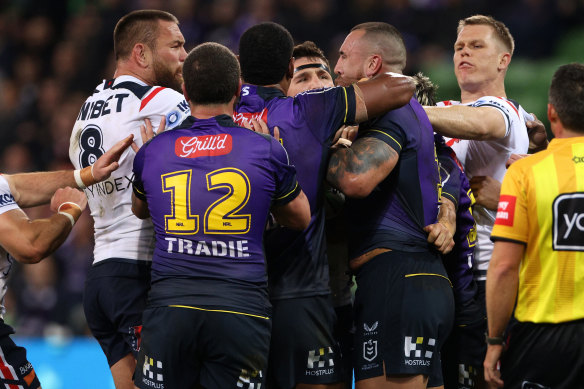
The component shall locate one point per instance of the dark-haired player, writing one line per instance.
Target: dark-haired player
(149, 51)
(303, 351)
(403, 304)
(209, 186)
(312, 71)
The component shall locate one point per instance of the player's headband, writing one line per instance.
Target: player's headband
(312, 65)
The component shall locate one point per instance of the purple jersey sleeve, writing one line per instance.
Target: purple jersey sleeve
(137, 184)
(287, 188)
(337, 104)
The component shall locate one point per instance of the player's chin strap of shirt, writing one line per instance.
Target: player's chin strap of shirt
(312, 65)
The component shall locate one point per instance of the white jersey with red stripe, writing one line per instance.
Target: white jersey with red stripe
(488, 158)
(7, 203)
(116, 109)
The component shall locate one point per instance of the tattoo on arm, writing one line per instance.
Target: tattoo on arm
(367, 156)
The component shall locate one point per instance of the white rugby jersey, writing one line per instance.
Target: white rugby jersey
(7, 203)
(116, 109)
(488, 158)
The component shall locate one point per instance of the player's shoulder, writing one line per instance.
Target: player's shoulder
(160, 99)
(4, 186)
(447, 103)
(7, 201)
(501, 103)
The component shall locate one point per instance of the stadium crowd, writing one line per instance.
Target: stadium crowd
(51, 58)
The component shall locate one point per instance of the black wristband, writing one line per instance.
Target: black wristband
(497, 341)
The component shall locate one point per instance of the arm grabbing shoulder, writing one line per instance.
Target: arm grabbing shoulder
(381, 94)
(465, 122)
(357, 170)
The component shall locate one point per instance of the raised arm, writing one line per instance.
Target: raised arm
(380, 94)
(32, 189)
(29, 241)
(465, 122)
(357, 170)
(294, 214)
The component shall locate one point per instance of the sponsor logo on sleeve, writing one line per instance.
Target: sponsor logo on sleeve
(173, 119)
(506, 210)
(203, 146)
(6, 199)
(568, 222)
(245, 117)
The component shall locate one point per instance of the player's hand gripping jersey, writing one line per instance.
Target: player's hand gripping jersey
(297, 262)
(116, 109)
(396, 211)
(487, 158)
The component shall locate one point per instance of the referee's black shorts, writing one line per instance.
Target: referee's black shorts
(544, 356)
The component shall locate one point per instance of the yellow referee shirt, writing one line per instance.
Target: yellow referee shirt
(542, 205)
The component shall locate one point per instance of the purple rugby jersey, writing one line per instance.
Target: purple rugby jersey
(209, 186)
(459, 262)
(297, 261)
(396, 211)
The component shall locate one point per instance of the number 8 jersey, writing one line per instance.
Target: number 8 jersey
(116, 109)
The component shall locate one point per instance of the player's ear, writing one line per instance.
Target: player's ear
(238, 92)
(142, 55)
(555, 122)
(184, 91)
(374, 64)
(290, 72)
(504, 61)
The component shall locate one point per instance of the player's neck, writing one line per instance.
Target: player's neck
(282, 86)
(470, 94)
(211, 110)
(124, 71)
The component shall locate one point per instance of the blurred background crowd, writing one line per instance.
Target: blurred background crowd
(53, 54)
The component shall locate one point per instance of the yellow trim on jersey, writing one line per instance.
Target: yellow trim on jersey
(451, 196)
(220, 311)
(389, 136)
(428, 274)
(289, 193)
(346, 104)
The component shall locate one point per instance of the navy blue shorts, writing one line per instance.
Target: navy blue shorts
(464, 351)
(404, 310)
(209, 347)
(303, 348)
(15, 370)
(114, 299)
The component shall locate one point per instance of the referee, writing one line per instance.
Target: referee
(538, 257)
